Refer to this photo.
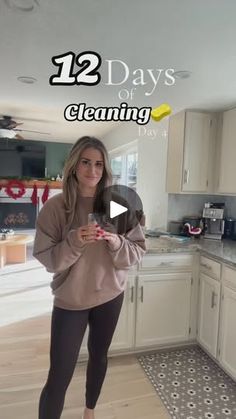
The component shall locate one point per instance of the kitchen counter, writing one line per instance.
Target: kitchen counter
(168, 244)
(223, 250)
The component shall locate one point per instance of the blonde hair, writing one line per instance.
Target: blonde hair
(70, 182)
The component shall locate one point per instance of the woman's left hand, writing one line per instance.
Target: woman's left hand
(112, 239)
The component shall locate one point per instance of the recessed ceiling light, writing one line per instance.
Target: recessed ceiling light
(182, 74)
(27, 80)
(22, 5)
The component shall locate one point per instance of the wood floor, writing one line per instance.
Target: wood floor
(24, 346)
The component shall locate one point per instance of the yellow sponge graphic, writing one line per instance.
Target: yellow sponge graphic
(158, 113)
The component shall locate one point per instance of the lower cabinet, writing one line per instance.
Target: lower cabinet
(209, 308)
(123, 338)
(124, 334)
(160, 307)
(156, 307)
(227, 337)
(163, 308)
(217, 312)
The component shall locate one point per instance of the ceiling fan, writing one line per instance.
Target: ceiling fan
(8, 128)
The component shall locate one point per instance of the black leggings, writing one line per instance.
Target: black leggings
(67, 332)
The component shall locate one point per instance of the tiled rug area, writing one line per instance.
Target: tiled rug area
(190, 384)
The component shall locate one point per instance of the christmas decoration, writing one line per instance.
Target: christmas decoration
(15, 184)
(45, 193)
(34, 196)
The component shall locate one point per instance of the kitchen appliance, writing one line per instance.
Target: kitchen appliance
(188, 226)
(229, 230)
(214, 223)
(175, 227)
(233, 231)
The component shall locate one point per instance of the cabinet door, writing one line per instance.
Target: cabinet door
(208, 320)
(227, 173)
(124, 334)
(228, 331)
(163, 309)
(196, 152)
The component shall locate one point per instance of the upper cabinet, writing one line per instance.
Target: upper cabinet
(190, 152)
(227, 154)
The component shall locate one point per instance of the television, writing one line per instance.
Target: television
(22, 158)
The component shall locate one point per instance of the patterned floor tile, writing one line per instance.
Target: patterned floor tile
(190, 384)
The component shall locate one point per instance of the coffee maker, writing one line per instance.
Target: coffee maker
(213, 219)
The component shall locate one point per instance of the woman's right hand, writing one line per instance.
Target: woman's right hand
(90, 233)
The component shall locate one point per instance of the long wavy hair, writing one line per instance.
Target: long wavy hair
(70, 181)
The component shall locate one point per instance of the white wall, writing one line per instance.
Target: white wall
(152, 158)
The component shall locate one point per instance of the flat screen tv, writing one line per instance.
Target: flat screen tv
(22, 158)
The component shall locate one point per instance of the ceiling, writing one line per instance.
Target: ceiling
(198, 36)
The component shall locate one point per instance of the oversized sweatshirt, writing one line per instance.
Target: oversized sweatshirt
(85, 274)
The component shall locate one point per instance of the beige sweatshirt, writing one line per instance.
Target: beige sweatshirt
(85, 275)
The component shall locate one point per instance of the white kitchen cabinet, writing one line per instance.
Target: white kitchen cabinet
(124, 335)
(123, 338)
(190, 152)
(166, 262)
(227, 153)
(157, 304)
(209, 307)
(227, 337)
(210, 267)
(163, 308)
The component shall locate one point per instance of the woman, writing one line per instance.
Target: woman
(89, 266)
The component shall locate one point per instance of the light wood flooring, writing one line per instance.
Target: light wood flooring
(24, 347)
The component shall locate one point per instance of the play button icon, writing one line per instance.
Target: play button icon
(116, 209)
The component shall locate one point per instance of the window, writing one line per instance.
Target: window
(124, 165)
(132, 165)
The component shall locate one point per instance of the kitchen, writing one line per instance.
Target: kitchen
(184, 291)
